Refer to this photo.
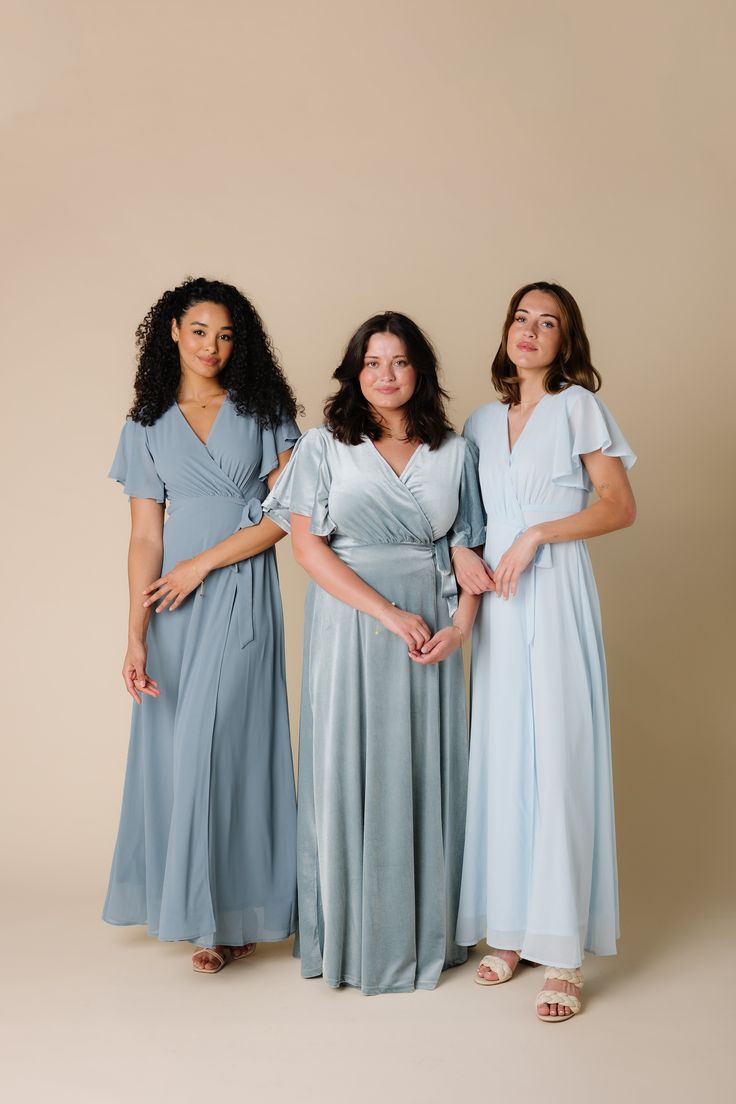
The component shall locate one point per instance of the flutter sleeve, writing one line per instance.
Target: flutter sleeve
(273, 441)
(469, 527)
(588, 426)
(134, 466)
(304, 486)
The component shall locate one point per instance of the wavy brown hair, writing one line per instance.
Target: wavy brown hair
(348, 414)
(252, 377)
(572, 365)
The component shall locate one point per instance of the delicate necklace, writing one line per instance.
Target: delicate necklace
(529, 402)
(206, 403)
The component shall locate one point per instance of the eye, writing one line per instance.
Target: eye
(199, 333)
(520, 318)
(549, 325)
(226, 337)
(401, 362)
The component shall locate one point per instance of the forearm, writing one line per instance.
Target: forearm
(604, 516)
(467, 608)
(334, 576)
(241, 545)
(145, 558)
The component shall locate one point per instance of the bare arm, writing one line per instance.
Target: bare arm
(329, 572)
(145, 555)
(615, 509)
(171, 589)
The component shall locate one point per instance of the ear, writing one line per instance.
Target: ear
(174, 331)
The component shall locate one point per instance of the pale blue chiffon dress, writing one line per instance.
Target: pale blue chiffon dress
(539, 871)
(383, 742)
(206, 844)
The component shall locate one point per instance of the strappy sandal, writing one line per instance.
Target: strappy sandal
(500, 967)
(221, 959)
(558, 996)
(245, 954)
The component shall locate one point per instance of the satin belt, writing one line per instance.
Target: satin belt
(252, 513)
(516, 524)
(440, 550)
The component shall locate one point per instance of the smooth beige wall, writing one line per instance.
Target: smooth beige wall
(334, 159)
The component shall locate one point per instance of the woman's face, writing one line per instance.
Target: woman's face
(387, 379)
(205, 339)
(534, 336)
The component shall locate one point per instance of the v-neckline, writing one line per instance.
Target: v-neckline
(384, 461)
(510, 450)
(191, 428)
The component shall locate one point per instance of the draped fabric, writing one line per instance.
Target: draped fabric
(205, 849)
(539, 871)
(382, 741)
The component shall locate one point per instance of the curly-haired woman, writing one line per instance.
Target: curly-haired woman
(373, 500)
(205, 849)
(539, 874)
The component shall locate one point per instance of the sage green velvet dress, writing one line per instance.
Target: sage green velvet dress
(383, 745)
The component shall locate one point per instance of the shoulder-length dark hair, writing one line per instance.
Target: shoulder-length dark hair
(347, 413)
(572, 364)
(252, 376)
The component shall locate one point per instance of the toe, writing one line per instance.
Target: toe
(544, 1010)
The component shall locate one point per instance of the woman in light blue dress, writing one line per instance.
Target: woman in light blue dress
(206, 845)
(539, 871)
(374, 500)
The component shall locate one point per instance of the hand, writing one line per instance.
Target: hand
(175, 585)
(471, 571)
(515, 560)
(412, 629)
(442, 645)
(136, 680)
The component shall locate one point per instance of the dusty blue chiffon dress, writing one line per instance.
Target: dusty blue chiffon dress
(383, 743)
(206, 844)
(540, 851)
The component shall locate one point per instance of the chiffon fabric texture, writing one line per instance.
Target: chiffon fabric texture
(539, 871)
(206, 844)
(383, 741)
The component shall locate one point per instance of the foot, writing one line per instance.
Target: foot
(560, 1009)
(511, 958)
(242, 952)
(208, 960)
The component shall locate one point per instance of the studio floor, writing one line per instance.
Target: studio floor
(106, 1015)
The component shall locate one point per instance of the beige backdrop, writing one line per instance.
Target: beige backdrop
(335, 159)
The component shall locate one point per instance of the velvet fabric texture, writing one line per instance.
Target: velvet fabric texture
(206, 845)
(539, 871)
(383, 742)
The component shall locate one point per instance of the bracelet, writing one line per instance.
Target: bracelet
(462, 634)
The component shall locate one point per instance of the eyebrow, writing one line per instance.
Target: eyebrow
(205, 326)
(523, 310)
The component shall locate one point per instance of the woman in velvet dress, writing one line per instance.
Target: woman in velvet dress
(374, 500)
(539, 873)
(206, 848)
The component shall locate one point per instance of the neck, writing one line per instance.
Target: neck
(193, 388)
(392, 423)
(531, 385)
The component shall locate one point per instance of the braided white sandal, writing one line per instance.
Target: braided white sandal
(221, 960)
(558, 996)
(500, 967)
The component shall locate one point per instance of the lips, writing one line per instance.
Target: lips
(209, 361)
(527, 346)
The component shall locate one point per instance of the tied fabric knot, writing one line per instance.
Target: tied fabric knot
(252, 515)
(448, 585)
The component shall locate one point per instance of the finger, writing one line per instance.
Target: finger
(128, 680)
(150, 692)
(432, 643)
(514, 581)
(168, 598)
(153, 586)
(159, 594)
(179, 599)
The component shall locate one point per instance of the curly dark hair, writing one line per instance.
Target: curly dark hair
(252, 377)
(348, 414)
(573, 364)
